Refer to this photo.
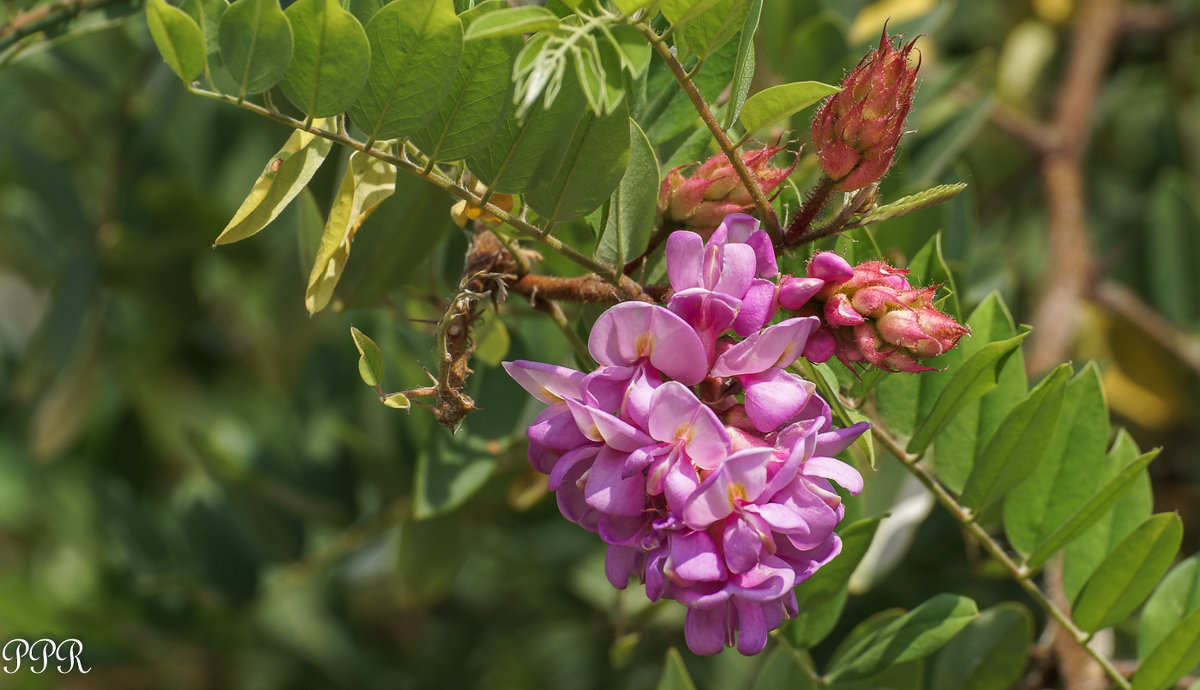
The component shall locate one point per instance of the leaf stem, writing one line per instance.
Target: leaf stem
(1020, 573)
(612, 274)
(761, 203)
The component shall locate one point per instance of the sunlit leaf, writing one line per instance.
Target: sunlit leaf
(478, 99)
(416, 46)
(330, 60)
(513, 21)
(708, 31)
(909, 204)
(1019, 443)
(256, 44)
(1177, 653)
(207, 15)
(370, 359)
(398, 401)
(288, 171)
(366, 183)
(1128, 574)
(178, 38)
(779, 102)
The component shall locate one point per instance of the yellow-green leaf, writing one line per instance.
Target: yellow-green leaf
(178, 37)
(367, 182)
(370, 359)
(288, 171)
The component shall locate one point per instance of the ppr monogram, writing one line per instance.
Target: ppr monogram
(39, 655)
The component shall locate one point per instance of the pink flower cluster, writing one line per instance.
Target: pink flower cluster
(693, 452)
(870, 314)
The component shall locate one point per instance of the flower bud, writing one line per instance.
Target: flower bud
(714, 190)
(856, 130)
(869, 313)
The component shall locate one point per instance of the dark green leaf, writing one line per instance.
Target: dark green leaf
(363, 10)
(1018, 445)
(207, 15)
(631, 216)
(1100, 503)
(675, 675)
(785, 669)
(448, 473)
(963, 439)
(331, 57)
(416, 46)
(1171, 249)
(779, 102)
(1174, 600)
(914, 635)
(743, 72)
(594, 165)
(1128, 574)
(1174, 656)
(479, 98)
(990, 653)
(370, 359)
(815, 623)
(928, 267)
(288, 171)
(256, 44)
(513, 21)
(669, 112)
(1065, 479)
(178, 37)
(525, 154)
(833, 576)
(970, 381)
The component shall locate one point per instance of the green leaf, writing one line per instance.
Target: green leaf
(207, 15)
(632, 48)
(479, 97)
(779, 102)
(1100, 503)
(1019, 443)
(1174, 656)
(1084, 552)
(363, 10)
(256, 44)
(370, 359)
(398, 401)
(1172, 223)
(633, 204)
(491, 340)
(970, 381)
(815, 623)
(743, 72)
(514, 21)
(1175, 598)
(675, 674)
(416, 47)
(682, 11)
(1128, 574)
(525, 154)
(914, 635)
(962, 440)
(670, 112)
(178, 38)
(833, 576)
(365, 184)
(286, 174)
(331, 57)
(628, 7)
(784, 669)
(594, 165)
(448, 473)
(1065, 479)
(990, 653)
(909, 204)
(928, 267)
(708, 31)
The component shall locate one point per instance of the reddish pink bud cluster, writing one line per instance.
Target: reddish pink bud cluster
(856, 130)
(869, 314)
(702, 200)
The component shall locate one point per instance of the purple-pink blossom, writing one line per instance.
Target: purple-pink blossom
(703, 462)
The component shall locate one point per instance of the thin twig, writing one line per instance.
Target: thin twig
(761, 203)
(44, 17)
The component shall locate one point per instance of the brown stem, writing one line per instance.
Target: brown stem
(589, 289)
(1070, 249)
(761, 203)
(817, 198)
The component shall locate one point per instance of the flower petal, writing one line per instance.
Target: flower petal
(758, 306)
(835, 441)
(775, 396)
(704, 630)
(676, 414)
(546, 382)
(776, 346)
(610, 490)
(838, 471)
(752, 627)
(684, 254)
(631, 332)
(695, 557)
(743, 545)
